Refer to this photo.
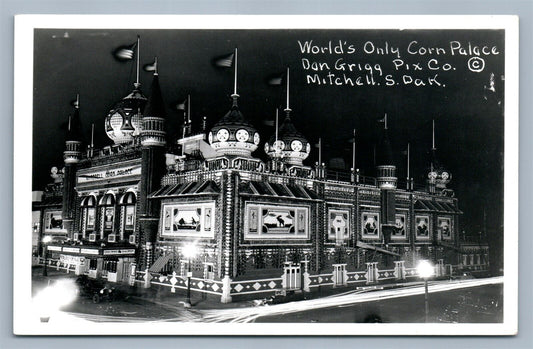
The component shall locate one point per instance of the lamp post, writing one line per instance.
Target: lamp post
(425, 271)
(189, 251)
(46, 240)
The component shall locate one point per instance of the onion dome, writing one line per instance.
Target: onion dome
(289, 144)
(234, 134)
(437, 175)
(124, 121)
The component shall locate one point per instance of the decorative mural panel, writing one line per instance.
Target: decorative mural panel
(53, 221)
(194, 219)
(130, 217)
(444, 226)
(91, 218)
(423, 228)
(109, 216)
(338, 224)
(370, 225)
(276, 222)
(400, 226)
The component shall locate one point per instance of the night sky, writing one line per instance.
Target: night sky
(468, 113)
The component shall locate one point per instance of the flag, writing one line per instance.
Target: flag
(384, 119)
(269, 123)
(125, 53)
(182, 105)
(225, 61)
(276, 80)
(75, 103)
(150, 66)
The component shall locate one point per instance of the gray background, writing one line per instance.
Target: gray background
(9, 8)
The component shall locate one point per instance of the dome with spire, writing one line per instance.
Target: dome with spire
(233, 134)
(288, 144)
(437, 175)
(124, 120)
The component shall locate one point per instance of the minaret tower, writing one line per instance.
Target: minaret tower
(287, 143)
(71, 156)
(153, 141)
(438, 177)
(386, 170)
(233, 134)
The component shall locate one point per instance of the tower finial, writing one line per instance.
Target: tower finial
(385, 121)
(155, 66)
(288, 109)
(137, 84)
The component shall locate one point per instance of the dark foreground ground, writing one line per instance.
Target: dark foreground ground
(482, 304)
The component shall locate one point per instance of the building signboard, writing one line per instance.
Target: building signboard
(119, 172)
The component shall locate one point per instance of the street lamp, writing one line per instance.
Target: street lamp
(50, 300)
(46, 240)
(189, 251)
(425, 271)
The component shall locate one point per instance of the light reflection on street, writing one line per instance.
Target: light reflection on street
(349, 298)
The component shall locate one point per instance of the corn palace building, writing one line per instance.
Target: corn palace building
(130, 212)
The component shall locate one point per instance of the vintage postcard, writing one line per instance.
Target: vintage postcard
(270, 175)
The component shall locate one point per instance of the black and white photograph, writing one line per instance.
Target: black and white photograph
(344, 175)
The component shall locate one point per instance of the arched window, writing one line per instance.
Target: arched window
(127, 203)
(88, 214)
(107, 203)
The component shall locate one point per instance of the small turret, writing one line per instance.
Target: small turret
(386, 170)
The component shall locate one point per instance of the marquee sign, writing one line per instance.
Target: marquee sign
(126, 251)
(119, 172)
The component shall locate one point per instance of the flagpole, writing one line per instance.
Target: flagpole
(189, 108)
(320, 152)
(385, 121)
(277, 112)
(92, 139)
(183, 142)
(433, 136)
(138, 53)
(353, 150)
(408, 166)
(78, 101)
(235, 82)
(288, 108)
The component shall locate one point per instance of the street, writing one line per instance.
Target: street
(459, 301)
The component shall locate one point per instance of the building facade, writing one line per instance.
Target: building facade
(131, 209)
